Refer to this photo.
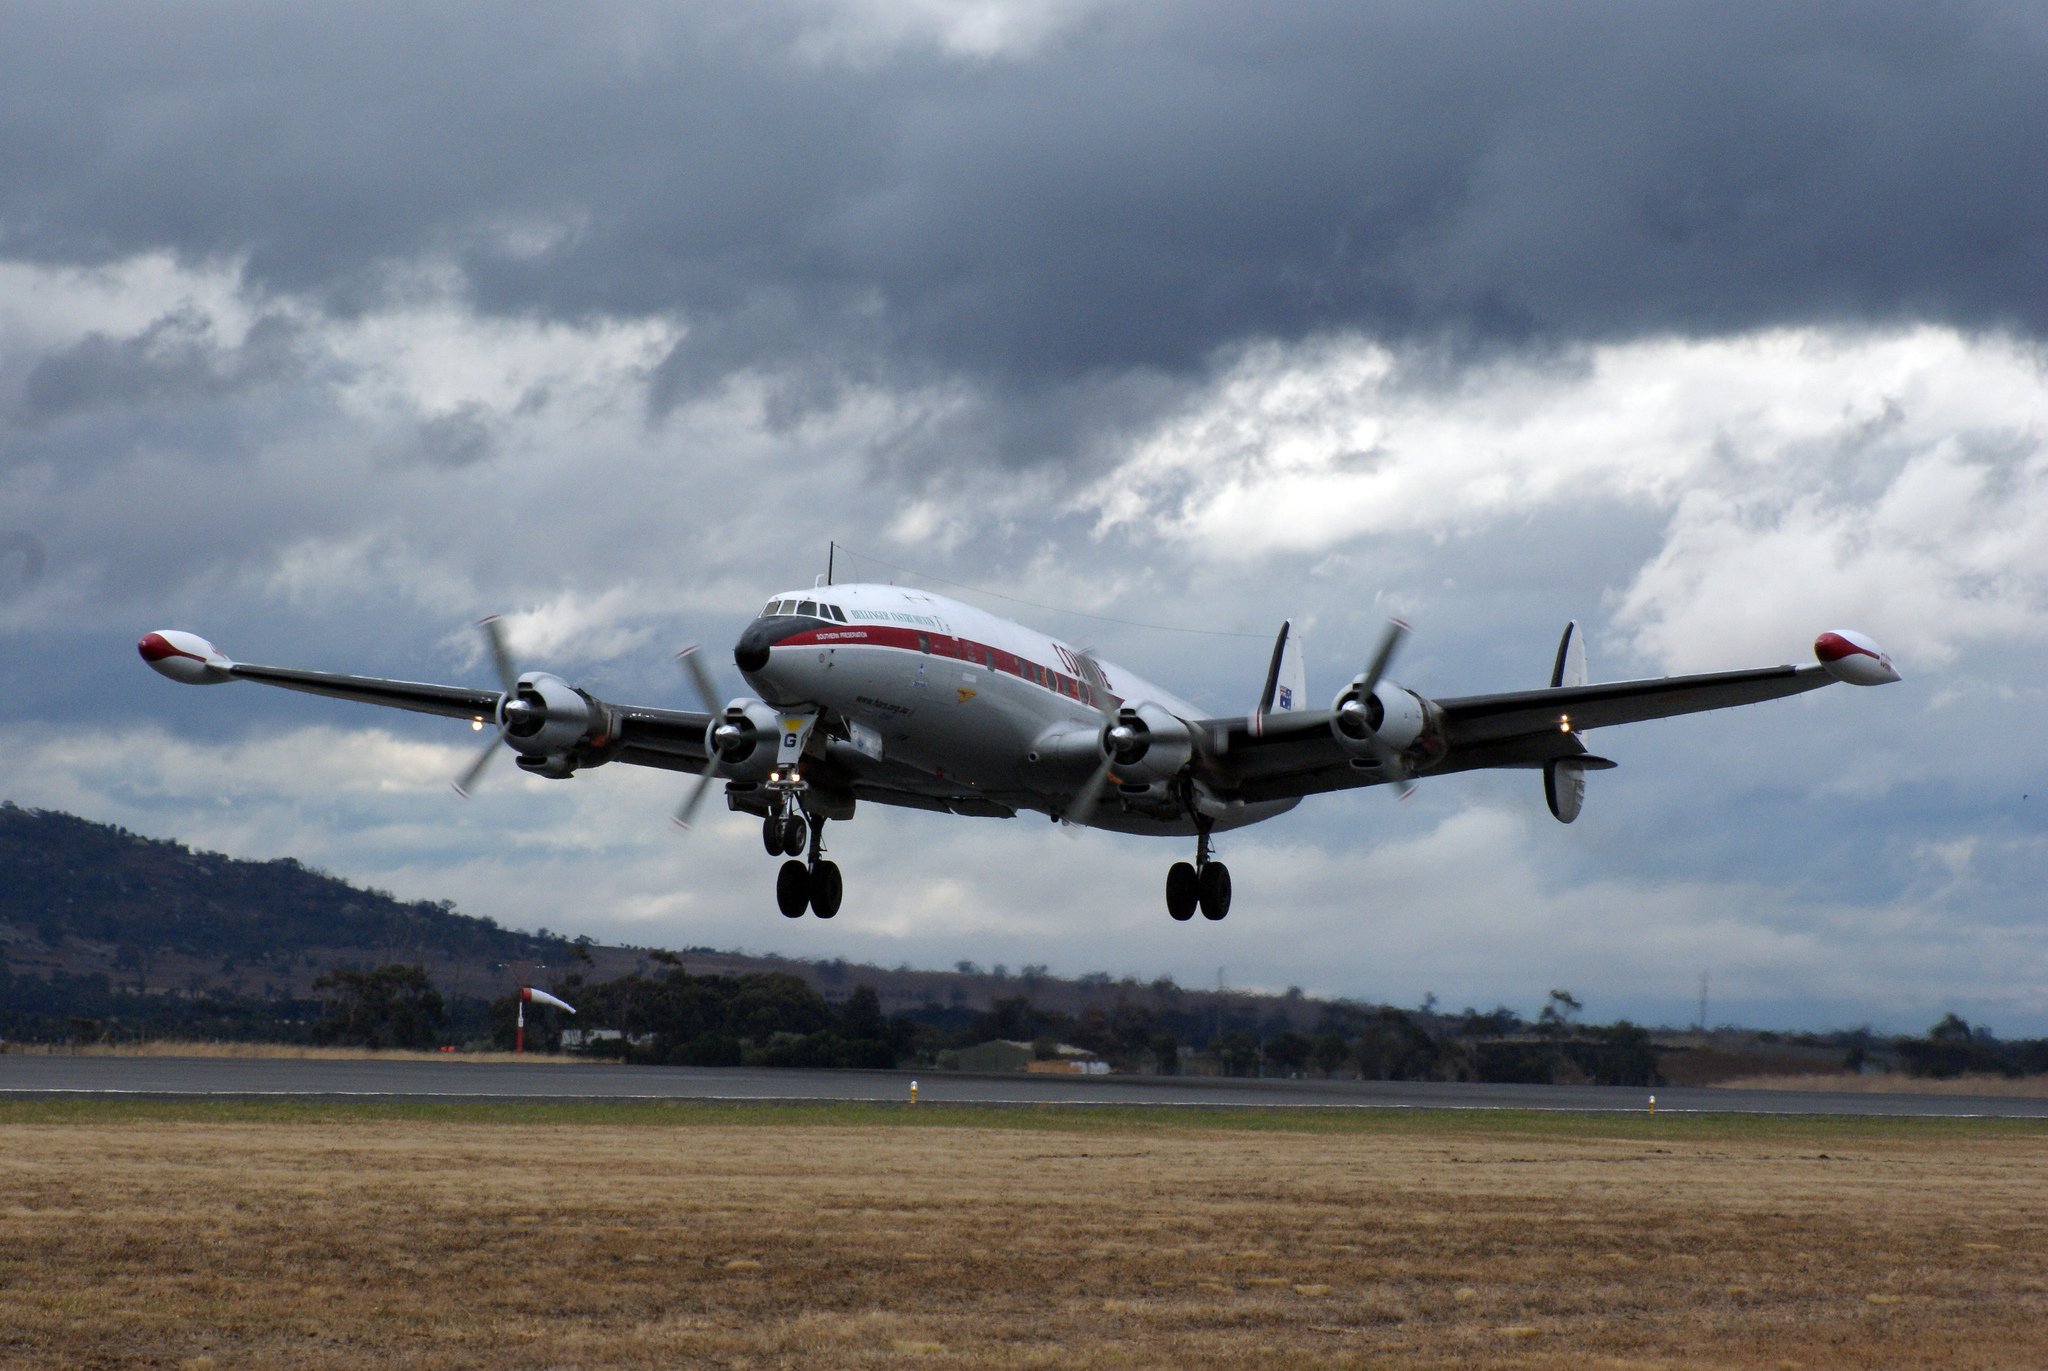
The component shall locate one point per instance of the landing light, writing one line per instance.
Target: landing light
(1564, 723)
(476, 725)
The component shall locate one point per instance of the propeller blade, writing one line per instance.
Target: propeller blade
(1082, 809)
(1388, 759)
(466, 782)
(501, 658)
(1389, 641)
(699, 677)
(687, 810)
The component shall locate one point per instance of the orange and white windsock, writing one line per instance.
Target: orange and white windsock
(532, 996)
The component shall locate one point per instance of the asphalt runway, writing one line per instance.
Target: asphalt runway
(24, 1076)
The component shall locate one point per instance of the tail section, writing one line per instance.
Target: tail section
(1564, 778)
(1570, 669)
(1286, 678)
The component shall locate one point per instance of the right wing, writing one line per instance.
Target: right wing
(639, 735)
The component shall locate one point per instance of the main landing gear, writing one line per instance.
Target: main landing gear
(812, 883)
(1202, 883)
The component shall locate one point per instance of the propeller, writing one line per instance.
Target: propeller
(699, 677)
(1083, 807)
(509, 708)
(1355, 708)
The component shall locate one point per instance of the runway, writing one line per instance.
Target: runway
(455, 1079)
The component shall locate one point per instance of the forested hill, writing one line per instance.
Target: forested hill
(80, 899)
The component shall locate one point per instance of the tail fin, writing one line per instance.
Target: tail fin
(1286, 678)
(1570, 669)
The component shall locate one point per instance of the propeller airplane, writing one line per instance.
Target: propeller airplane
(900, 697)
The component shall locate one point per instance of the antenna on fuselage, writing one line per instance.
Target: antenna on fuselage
(831, 554)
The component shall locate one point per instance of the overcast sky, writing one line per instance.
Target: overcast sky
(325, 330)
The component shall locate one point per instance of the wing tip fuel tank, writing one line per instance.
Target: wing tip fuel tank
(1850, 656)
(185, 657)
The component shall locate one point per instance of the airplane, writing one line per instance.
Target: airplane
(901, 697)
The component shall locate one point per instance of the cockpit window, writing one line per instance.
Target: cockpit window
(768, 611)
(809, 609)
(836, 612)
(785, 607)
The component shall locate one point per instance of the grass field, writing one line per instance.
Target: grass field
(592, 1235)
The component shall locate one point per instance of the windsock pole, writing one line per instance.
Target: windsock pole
(526, 993)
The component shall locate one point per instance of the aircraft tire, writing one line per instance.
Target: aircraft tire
(793, 889)
(1182, 891)
(795, 833)
(1215, 891)
(771, 835)
(827, 889)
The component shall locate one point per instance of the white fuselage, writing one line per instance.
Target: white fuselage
(955, 692)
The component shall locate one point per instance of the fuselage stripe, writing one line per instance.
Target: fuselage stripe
(935, 644)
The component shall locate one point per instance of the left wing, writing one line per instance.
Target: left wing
(1271, 757)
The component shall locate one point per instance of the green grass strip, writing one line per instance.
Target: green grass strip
(1130, 1119)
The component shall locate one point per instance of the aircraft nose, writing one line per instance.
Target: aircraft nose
(750, 654)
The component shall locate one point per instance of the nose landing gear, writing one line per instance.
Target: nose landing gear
(813, 883)
(1203, 884)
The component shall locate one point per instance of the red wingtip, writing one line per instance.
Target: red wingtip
(154, 647)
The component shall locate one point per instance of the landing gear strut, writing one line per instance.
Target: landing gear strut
(812, 883)
(1203, 883)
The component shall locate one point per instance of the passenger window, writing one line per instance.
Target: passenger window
(924, 644)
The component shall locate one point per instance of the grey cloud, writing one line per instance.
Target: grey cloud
(1152, 185)
(176, 358)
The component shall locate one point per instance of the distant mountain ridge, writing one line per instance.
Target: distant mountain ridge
(85, 904)
(79, 898)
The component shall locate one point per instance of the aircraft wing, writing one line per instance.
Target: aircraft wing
(638, 735)
(1280, 756)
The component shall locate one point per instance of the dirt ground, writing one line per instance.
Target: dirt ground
(666, 1236)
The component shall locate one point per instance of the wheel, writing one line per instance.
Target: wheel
(826, 889)
(793, 889)
(1215, 892)
(1182, 887)
(795, 832)
(771, 835)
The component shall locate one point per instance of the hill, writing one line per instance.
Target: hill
(100, 923)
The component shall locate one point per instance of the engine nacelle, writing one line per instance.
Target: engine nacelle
(545, 716)
(1394, 715)
(1146, 743)
(744, 737)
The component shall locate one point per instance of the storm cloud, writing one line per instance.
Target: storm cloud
(1133, 187)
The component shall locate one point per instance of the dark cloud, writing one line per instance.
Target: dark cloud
(1149, 185)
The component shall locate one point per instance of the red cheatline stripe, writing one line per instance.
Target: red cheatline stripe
(938, 645)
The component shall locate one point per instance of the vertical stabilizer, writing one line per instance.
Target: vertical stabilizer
(1564, 779)
(1286, 678)
(1570, 669)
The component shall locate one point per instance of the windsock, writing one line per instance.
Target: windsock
(532, 996)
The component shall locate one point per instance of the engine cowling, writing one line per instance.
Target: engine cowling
(1393, 715)
(744, 737)
(545, 716)
(1146, 743)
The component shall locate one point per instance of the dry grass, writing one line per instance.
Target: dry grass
(279, 1051)
(665, 1236)
(2008, 1087)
